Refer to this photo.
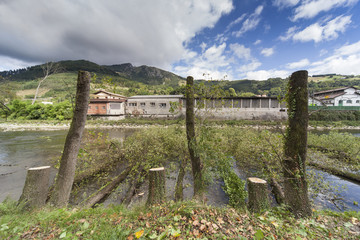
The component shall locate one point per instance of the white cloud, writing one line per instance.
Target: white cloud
(267, 52)
(235, 22)
(250, 23)
(266, 74)
(217, 61)
(241, 51)
(345, 60)
(7, 63)
(285, 3)
(349, 49)
(253, 65)
(323, 52)
(257, 42)
(142, 32)
(203, 46)
(318, 32)
(213, 62)
(299, 64)
(311, 8)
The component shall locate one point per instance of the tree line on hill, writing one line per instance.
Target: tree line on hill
(129, 80)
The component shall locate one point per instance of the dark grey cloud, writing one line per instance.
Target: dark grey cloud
(138, 31)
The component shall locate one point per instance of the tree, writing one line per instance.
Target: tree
(48, 69)
(65, 178)
(232, 92)
(295, 184)
(190, 134)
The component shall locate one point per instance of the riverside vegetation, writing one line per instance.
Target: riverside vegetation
(255, 152)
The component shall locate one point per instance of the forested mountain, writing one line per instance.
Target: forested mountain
(144, 74)
(130, 80)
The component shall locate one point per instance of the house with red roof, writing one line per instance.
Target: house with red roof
(103, 103)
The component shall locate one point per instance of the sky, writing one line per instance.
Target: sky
(207, 39)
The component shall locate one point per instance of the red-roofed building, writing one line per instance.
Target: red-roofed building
(347, 96)
(103, 103)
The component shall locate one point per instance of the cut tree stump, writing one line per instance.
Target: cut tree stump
(258, 195)
(36, 187)
(156, 185)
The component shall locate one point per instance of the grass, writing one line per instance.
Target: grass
(170, 220)
(166, 122)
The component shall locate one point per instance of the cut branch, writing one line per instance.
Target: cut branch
(104, 192)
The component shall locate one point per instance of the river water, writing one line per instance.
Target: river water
(20, 150)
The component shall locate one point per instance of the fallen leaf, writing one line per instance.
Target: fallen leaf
(215, 226)
(196, 232)
(354, 220)
(196, 223)
(202, 227)
(118, 221)
(221, 221)
(203, 221)
(275, 224)
(139, 234)
(82, 220)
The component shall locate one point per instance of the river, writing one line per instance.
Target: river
(20, 150)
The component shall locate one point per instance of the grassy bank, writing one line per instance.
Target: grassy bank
(182, 220)
(168, 122)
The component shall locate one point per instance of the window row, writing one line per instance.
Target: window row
(348, 101)
(152, 104)
(96, 107)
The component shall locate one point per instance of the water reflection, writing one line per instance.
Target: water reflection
(20, 150)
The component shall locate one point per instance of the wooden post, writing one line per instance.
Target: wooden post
(295, 146)
(156, 185)
(258, 195)
(36, 186)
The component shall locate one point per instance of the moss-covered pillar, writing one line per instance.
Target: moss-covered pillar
(258, 195)
(295, 147)
(156, 185)
(36, 187)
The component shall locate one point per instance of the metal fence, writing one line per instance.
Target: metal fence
(334, 108)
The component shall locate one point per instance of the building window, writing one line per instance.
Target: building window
(357, 101)
(142, 104)
(162, 105)
(89, 107)
(132, 104)
(115, 105)
(348, 101)
(103, 107)
(96, 107)
(152, 104)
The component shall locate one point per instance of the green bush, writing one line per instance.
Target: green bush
(332, 115)
(24, 110)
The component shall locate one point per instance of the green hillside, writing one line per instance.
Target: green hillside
(129, 80)
(146, 74)
(143, 74)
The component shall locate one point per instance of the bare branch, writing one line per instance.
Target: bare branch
(48, 69)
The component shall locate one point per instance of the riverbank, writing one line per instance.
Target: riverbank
(34, 125)
(171, 220)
